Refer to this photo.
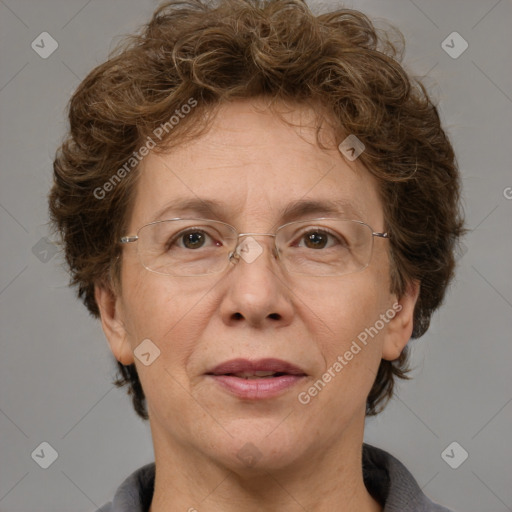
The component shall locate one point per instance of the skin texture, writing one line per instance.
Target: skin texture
(309, 455)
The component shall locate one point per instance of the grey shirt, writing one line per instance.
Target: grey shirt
(385, 477)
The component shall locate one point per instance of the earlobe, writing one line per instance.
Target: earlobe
(112, 323)
(399, 329)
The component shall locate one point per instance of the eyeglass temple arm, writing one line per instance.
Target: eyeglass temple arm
(129, 239)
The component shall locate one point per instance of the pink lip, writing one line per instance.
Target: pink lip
(256, 389)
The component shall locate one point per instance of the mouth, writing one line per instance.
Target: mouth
(256, 380)
(262, 368)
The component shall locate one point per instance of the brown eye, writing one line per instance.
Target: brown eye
(190, 239)
(320, 239)
(315, 240)
(193, 240)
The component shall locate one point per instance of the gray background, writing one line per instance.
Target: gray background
(56, 370)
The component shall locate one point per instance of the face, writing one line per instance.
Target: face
(254, 165)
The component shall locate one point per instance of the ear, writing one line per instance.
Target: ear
(111, 321)
(399, 328)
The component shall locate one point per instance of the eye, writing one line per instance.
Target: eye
(319, 238)
(190, 239)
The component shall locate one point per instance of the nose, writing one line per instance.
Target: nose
(257, 293)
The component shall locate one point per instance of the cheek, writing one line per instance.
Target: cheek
(342, 308)
(173, 314)
(168, 311)
(344, 315)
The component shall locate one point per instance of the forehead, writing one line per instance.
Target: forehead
(251, 167)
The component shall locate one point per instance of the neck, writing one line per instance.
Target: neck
(329, 479)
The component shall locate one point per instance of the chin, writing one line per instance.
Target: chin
(258, 446)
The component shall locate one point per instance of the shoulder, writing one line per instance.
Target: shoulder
(135, 493)
(391, 483)
(106, 508)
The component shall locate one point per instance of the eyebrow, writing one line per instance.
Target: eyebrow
(293, 210)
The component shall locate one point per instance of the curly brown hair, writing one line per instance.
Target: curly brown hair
(278, 49)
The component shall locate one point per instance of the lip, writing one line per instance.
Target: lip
(256, 389)
(259, 365)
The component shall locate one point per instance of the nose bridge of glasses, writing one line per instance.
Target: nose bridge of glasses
(250, 249)
(256, 234)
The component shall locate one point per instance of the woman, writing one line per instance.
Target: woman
(262, 208)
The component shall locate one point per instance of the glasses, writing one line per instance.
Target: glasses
(198, 247)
